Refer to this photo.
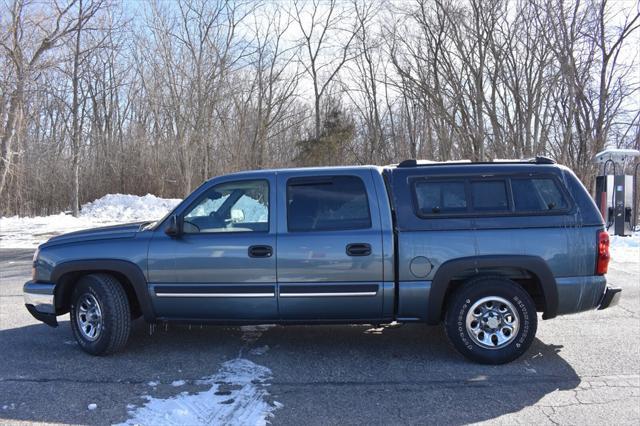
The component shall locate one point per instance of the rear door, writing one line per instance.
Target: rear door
(329, 252)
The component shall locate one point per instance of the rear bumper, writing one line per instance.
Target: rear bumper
(585, 293)
(611, 297)
(39, 300)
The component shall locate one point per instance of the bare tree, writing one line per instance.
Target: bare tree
(196, 88)
(326, 43)
(586, 44)
(26, 42)
(363, 82)
(276, 80)
(79, 52)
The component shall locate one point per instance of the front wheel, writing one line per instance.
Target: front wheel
(491, 320)
(100, 314)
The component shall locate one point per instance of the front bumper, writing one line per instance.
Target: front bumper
(611, 297)
(39, 300)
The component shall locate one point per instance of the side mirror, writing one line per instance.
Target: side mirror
(173, 230)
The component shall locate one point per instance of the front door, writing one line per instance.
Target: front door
(329, 251)
(223, 265)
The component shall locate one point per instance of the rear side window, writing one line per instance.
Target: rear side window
(440, 197)
(506, 195)
(327, 204)
(490, 196)
(537, 195)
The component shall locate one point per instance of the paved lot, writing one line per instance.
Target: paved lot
(582, 369)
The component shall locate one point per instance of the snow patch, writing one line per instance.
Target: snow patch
(112, 209)
(237, 396)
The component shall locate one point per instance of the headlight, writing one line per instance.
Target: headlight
(33, 264)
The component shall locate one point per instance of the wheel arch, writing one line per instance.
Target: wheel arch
(446, 275)
(66, 275)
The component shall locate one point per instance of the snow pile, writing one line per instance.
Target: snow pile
(112, 209)
(631, 242)
(626, 249)
(121, 208)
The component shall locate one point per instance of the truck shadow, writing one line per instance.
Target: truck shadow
(354, 374)
(407, 375)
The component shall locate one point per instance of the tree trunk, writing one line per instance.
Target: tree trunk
(75, 117)
(13, 121)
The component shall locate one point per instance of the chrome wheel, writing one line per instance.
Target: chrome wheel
(492, 322)
(89, 317)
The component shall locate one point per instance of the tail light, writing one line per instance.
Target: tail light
(602, 262)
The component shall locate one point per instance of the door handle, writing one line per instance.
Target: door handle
(358, 249)
(260, 251)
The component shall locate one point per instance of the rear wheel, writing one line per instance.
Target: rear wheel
(100, 314)
(491, 320)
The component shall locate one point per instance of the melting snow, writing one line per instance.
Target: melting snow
(237, 396)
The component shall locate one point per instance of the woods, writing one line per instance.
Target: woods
(154, 97)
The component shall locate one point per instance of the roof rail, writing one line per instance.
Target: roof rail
(416, 163)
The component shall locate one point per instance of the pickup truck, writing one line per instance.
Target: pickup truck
(479, 247)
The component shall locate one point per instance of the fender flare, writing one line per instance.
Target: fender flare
(449, 269)
(130, 270)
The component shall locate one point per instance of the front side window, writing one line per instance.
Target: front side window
(241, 206)
(435, 198)
(327, 204)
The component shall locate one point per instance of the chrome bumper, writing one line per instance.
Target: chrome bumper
(39, 300)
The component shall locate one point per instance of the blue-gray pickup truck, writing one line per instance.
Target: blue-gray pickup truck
(479, 247)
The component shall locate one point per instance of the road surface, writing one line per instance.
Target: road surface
(581, 369)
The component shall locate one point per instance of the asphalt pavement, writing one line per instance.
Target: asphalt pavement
(581, 369)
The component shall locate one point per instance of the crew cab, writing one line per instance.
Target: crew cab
(479, 247)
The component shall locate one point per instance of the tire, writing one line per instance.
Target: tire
(502, 325)
(100, 314)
